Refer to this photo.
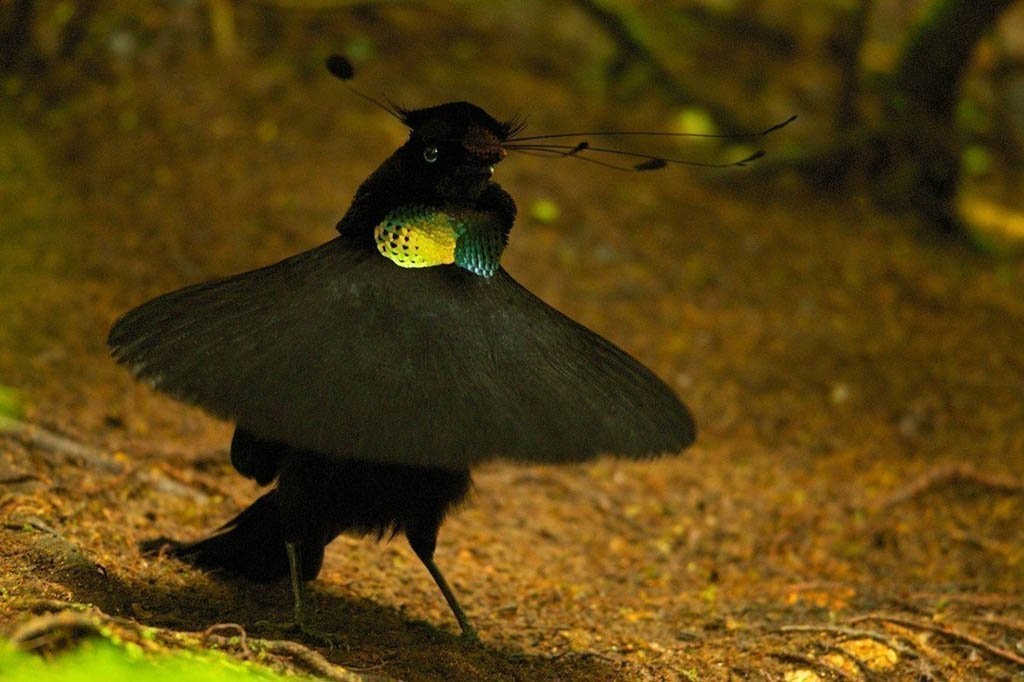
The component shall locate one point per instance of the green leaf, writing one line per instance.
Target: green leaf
(100, 660)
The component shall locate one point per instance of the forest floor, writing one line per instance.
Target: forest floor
(852, 508)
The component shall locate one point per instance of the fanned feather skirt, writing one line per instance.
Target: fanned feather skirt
(339, 351)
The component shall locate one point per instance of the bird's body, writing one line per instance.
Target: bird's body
(367, 375)
(316, 498)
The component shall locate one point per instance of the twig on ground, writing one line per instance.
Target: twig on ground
(946, 474)
(866, 672)
(812, 662)
(42, 630)
(21, 522)
(37, 436)
(854, 633)
(1001, 549)
(945, 631)
(1005, 623)
(21, 477)
(989, 599)
(40, 605)
(243, 643)
(308, 658)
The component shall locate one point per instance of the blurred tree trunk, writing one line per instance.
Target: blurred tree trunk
(1008, 124)
(632, 50)
(15, 33)
(222, 27)
(19, 49)
(920, 167)
(77, 28)
(851, 38)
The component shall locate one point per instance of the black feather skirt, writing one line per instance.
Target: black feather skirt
(340, 351)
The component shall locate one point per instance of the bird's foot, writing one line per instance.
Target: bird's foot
(320, 637)
(469, 633)
(305, 630)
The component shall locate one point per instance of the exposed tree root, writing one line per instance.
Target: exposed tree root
(164, 478)
(945, 631)
(307, 658)
(946, 474)
(34, 435)
(897, 638)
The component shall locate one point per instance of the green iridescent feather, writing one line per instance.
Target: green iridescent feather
(418, 236)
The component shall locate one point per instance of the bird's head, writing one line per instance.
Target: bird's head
(452, 149)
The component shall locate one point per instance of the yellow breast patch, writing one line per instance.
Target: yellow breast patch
(420, 241)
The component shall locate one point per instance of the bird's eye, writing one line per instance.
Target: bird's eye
(430, 154)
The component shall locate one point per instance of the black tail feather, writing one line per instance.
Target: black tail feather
(251, 545)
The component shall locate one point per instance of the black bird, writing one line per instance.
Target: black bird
(368, 375)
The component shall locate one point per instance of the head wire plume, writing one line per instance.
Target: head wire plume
(341, 68)
(539, 145)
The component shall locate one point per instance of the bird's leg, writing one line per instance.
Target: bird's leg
(298, 585)
(424, 544)
(468, 631)
(301, 598)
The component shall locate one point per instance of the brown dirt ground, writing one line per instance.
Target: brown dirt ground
(834, 359)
